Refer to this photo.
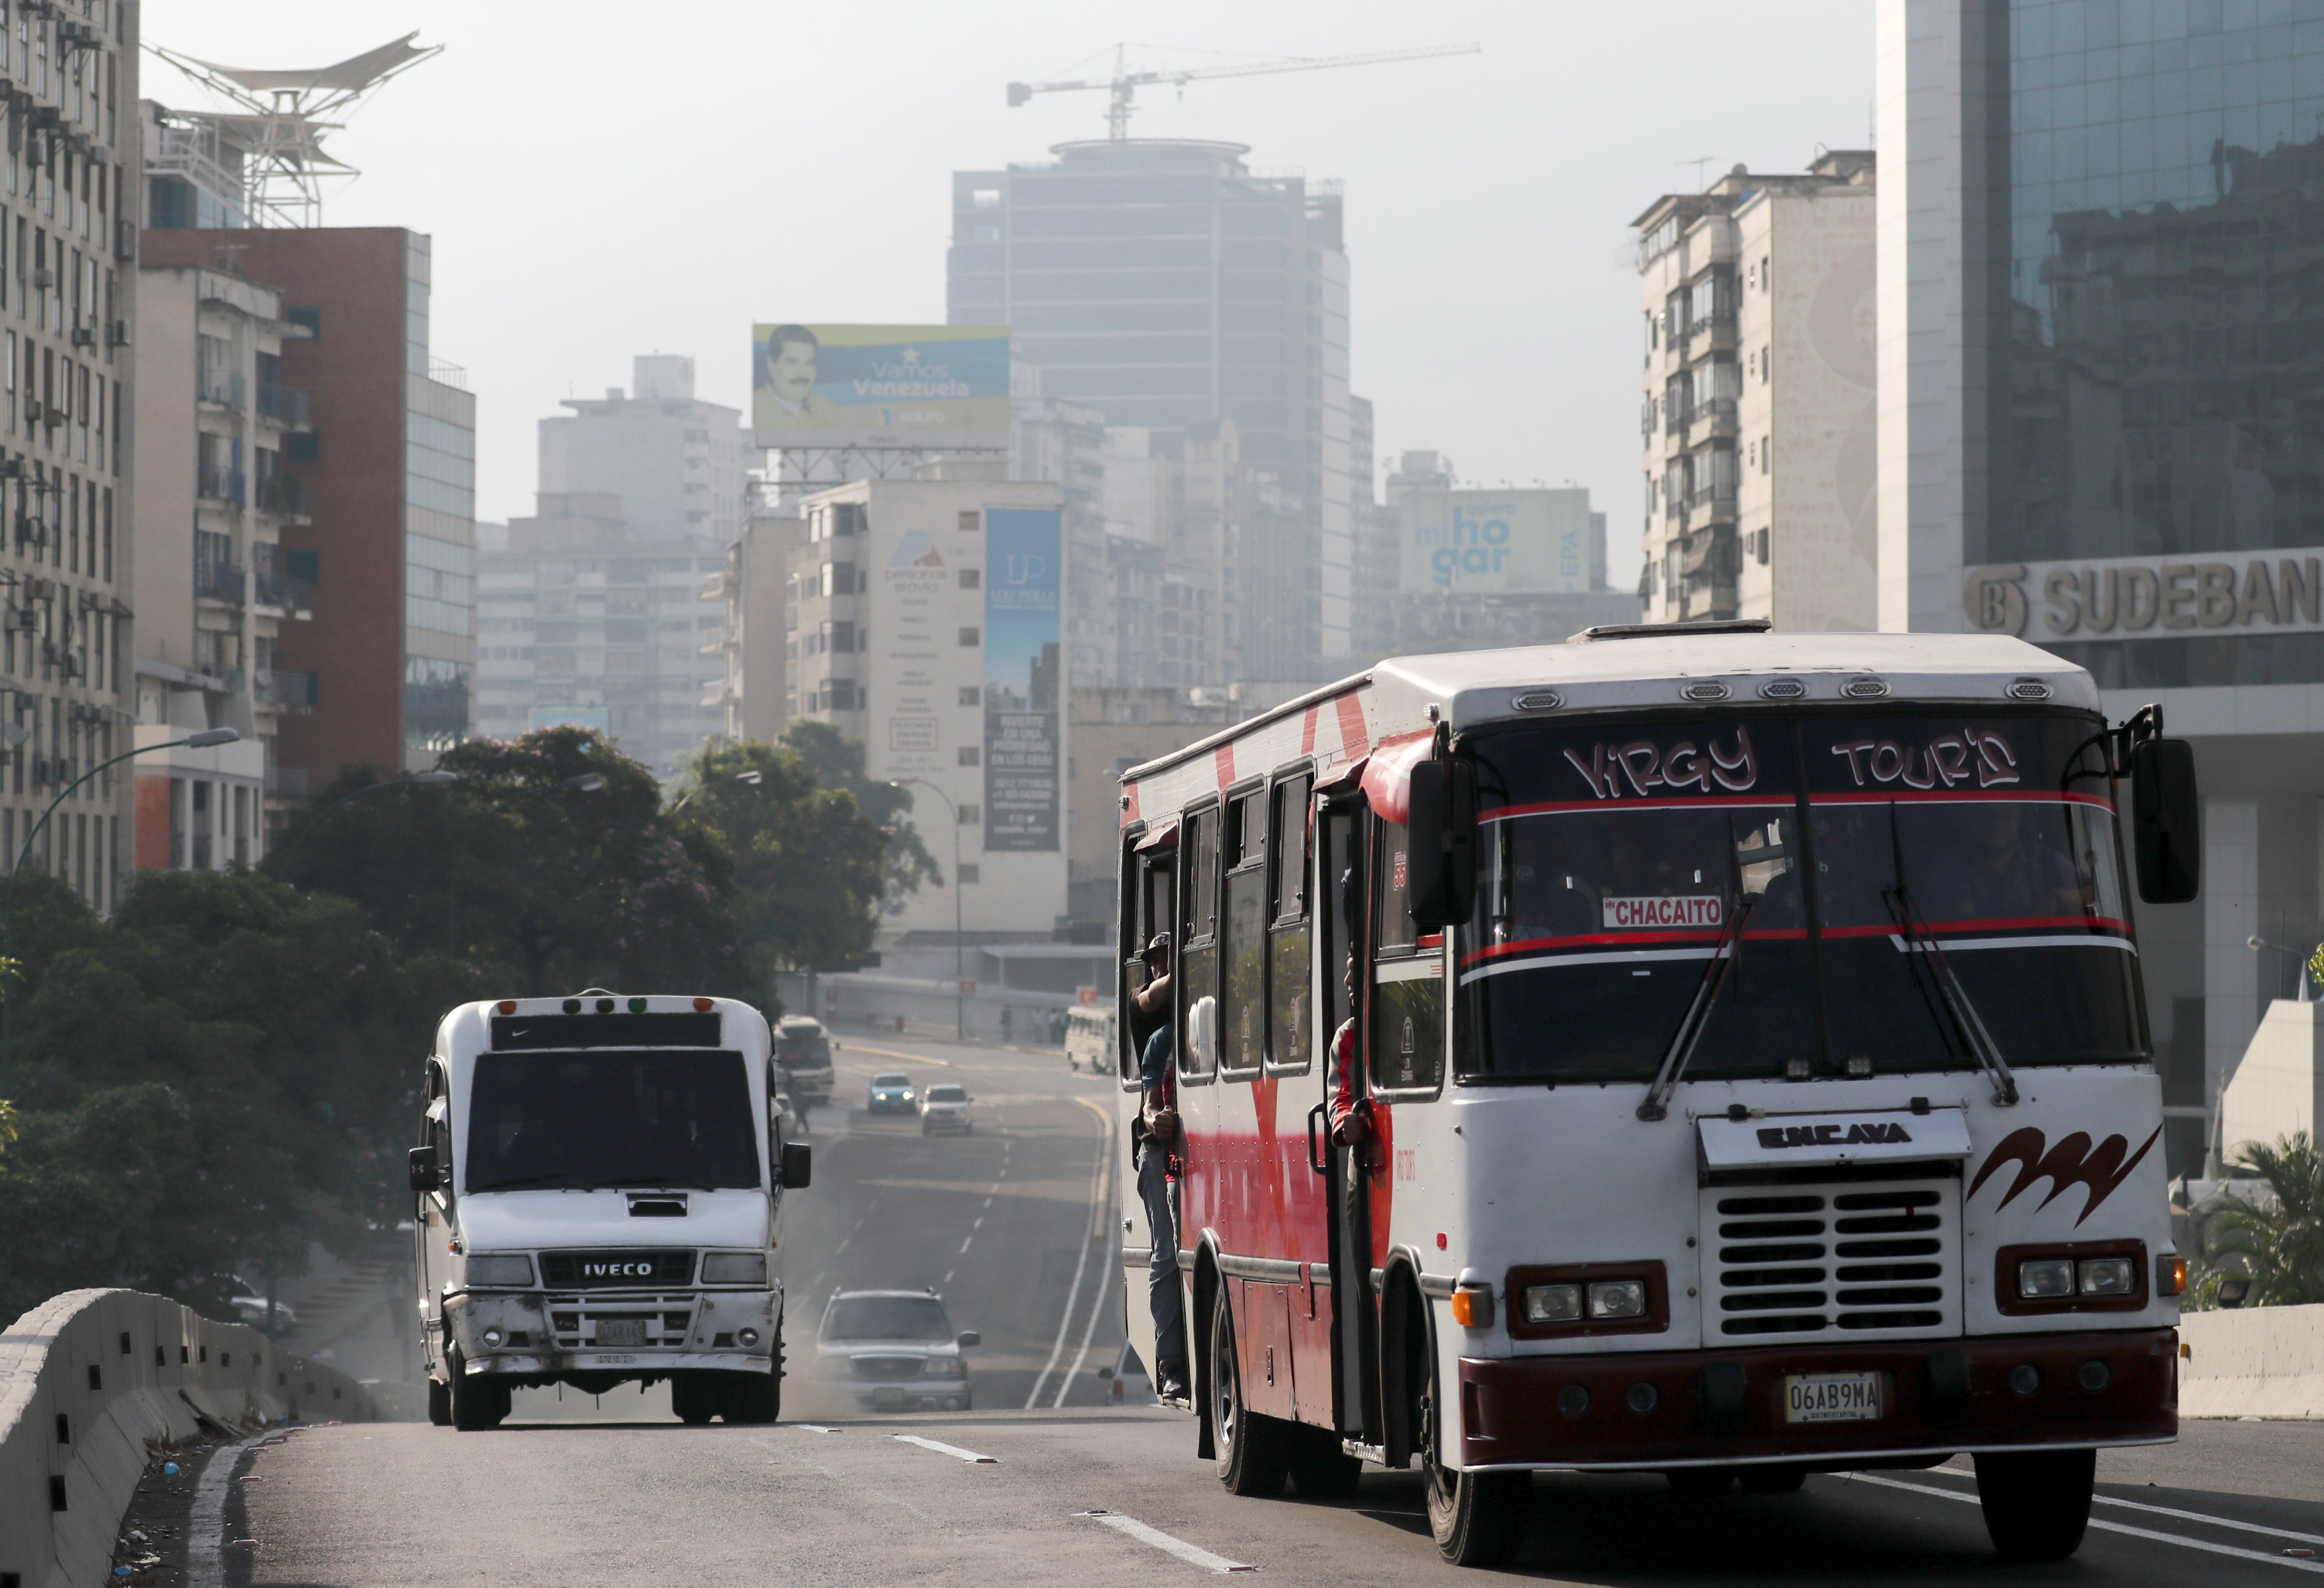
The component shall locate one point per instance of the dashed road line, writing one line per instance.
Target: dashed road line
(1192, 1554)
(941, 1448)
(2293, 1562)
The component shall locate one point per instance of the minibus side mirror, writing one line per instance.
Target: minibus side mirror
(2166, 821)
(1441, 863)
(425, 1174)
(799, 1166)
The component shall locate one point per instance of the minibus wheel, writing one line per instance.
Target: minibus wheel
(2036, 1502)
(754, 1398)
(479, 1400)
(439, 1404)
(1251, 1453)
(1477, 1518)
(694, 1396)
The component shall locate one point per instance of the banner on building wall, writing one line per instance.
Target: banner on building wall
(826, 385)
(921, 609)
(1495, 542)
(1023, 639)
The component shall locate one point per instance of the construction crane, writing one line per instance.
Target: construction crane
(1125, 83)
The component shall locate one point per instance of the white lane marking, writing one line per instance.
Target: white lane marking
(1191, 1554)
(941, 1448)
(815, 1428)
(206, 1527)
(979, 1224)
(1103, 1215)
(2148, 1533)
(988, 1201)
(2208, 1521)
(965, 1245)
(1081, 1263)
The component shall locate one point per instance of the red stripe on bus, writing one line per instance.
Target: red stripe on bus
(1719, 801)
(1130, 803)
(1223, 760)
(2098, 925)
(1736, 801)
(1627, 940)
(1307, 730)
(1353, 740)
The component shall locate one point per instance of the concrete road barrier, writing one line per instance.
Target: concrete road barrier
(2256, 1361)
(91, 1379)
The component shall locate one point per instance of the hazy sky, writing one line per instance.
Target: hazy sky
(603, 179)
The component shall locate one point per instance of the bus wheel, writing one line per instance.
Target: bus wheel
(1251, 1453)
(1478, 1518)
(754, 1397)
(439, 1404)
(2036, 1502)
(694, 1396)
(479, 1400)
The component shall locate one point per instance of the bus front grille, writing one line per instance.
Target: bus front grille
(1876, 1259)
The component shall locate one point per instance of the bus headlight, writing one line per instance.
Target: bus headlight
(500, 1269)
(2108, 1276)
(1618, 1299)
(735, 1268)
(2046, 1279)
(1553, 1303)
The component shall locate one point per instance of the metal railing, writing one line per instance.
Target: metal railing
(220, 485)
(286, 691)
(219, 581)
(281, 590)
(284, 404)
(220, 385)
(283, 495)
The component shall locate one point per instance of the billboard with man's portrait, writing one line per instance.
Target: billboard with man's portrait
(826, 385)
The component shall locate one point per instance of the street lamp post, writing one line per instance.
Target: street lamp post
(959, 948)
(419, 779)
(206, 739)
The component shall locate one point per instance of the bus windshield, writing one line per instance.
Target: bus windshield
(577, 1122)
(1620, 862)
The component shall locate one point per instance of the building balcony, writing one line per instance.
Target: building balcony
(219, 581)
(283, 496)
(285, 691)
(221, 486)
(220, 386)
(280, 592)
(1714, 335)
(283, 405)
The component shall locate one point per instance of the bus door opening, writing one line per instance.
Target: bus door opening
(1341, 887)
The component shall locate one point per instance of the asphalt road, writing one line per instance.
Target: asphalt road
(1090, 1491)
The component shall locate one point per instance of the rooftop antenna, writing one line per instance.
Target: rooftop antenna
(272, 138)
(1124, 84)
(1698, 162)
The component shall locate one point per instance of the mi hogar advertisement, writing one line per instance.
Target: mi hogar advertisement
(1495, 542)
(824, 385)
(1023, 614)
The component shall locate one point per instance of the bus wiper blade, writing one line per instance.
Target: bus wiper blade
(1920, 940)
(1697, 1014)
(519, 1182)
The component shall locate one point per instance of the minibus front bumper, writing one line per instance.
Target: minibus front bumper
(530, 1333)
(1939, 1397)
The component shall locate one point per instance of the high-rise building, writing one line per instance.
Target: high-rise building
(749, 645)
(674, 462)
(2098, 427)
(387, 467)
(215, 422)
(67, 301)
(1759, 419)
(1166, 284)
(1372, 531)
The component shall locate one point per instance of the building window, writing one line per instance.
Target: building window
(971, 578)
(970, 521)
(970, 694)
(972, 636)
(969, 755)
(1766, 449)
(312, 318)
(1766, 364)
(971, 814)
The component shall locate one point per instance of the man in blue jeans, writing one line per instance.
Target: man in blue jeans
(1157, 1156)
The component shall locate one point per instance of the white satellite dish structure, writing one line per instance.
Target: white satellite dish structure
(272, 141)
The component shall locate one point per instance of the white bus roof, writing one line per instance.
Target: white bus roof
(1632, 670)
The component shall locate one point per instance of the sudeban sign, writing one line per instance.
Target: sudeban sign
(2146, 598)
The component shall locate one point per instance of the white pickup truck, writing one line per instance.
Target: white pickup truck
(600, 1184)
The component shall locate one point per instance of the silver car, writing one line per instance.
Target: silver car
(894, 1350)
(945, 1108)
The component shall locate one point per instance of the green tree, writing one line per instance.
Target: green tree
(540, 886)
(2280, 1247)
(837, 762)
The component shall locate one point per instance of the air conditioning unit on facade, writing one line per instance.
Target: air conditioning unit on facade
(44, 278)
(117, 333)
(84, 336)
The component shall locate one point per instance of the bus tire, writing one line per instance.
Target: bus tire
(694, 1396)
(1320, 1469)
(479, 1400)
(2036, 1502)
(1252, 1449)
(1477, 1518)
(754, 1397)
(440, 1403)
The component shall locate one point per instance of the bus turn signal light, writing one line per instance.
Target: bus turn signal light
(1472, 1308)
(2169, 1275)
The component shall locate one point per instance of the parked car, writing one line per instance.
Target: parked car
(894, 1350)
(890, 1093)
(1089, 1039)
(249, 1303)
(945, 1108)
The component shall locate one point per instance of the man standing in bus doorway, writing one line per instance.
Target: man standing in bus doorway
(1352, 1116)
(1154, 1148)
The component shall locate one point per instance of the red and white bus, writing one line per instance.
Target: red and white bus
(1676, 1163)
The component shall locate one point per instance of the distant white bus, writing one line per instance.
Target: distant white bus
(1089, 1037)
(601, 1183)
(1756, 1069)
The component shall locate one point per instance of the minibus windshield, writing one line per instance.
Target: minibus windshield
(1614, 858)
(586, 1121)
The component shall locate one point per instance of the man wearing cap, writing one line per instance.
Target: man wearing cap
(1154, 1149)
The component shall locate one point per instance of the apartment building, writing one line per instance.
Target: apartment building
(674, 462)
(1758, 419)
(217, 429)
(67, 300)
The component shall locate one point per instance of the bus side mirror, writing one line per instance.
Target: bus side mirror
(799, 1166)
(425, 1175)
(1441, 861)
(2166, 821)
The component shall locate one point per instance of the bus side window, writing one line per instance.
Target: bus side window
(1242, 940)
(1407, 1035)
(1290, 993)
(1198, 952)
